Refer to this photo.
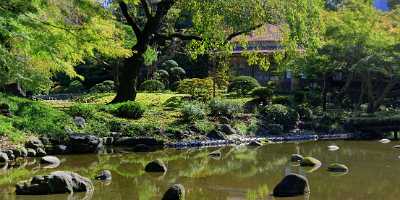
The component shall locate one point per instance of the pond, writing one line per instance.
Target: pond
(242, 172)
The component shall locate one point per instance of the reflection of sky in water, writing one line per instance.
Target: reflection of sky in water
(381, 4)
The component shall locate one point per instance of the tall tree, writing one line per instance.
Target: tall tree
(213, 24)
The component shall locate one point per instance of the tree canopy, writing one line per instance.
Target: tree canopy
(39, 38)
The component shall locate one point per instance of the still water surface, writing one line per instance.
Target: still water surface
(242, 173)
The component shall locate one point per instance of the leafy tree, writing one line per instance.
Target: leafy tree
(209, 27)
(40, 38)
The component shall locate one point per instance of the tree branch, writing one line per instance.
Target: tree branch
(233, 35)
(179, 36)
(147, 9)
(129, 19)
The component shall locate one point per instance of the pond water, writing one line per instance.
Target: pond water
(246, 173)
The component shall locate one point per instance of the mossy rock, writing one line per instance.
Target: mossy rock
(336, 167)
(310, 162)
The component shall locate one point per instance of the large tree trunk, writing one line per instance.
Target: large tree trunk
(128, 78)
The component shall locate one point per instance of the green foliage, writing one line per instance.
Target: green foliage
(75, 86)
(299, 97)
(198, 88)
(169, 64)
(305, 112)
(41, 38)
(176, 74)
(129, 110)
(193, 112)
(82, 110)
(104, 87)
(280, 114)
(41, 119)
(284, 100)
(263, 94)
(152, 86)
(225, 108)
(242, 85)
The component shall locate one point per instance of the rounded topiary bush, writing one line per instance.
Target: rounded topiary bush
(284, 100)
(103, 87)
(169, 64)
(75, 87)
(280, 114)
(242, 85)
(262, 94)
(152, 86)
(130, 110)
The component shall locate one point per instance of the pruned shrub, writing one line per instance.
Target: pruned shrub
(226, 108)
(103, 87)
(152, 86)
(75, 87)
(176, 74)
(198, 88)
(262, 94)
(169, 64)
(280, 114)
(242, 85)
(130, 110)
(192, 112)
(283, 100)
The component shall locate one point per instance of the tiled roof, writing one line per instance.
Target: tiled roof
(265, 33)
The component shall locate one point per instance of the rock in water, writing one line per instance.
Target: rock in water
(336, 167)
(310, 162)
(3, 158)
(292, 185)
(296, 158)
(175, 192)
(83, 144)
(156, 166)
(396, 147)
(104, 175)
(59, 182)
(333, 148)
(384, 141)
(52, 161)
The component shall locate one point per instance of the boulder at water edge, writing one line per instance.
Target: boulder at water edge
(292, 185)
(310, 162)
(156, 166)
(34, 143)
(104, 175)
(216, 135)
(31, 152)
(40, 152)
(175, 192)
(3, 157)
(83, 144)
(336, 167)
(59, 182)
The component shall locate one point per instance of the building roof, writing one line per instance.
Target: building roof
(269, 32)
